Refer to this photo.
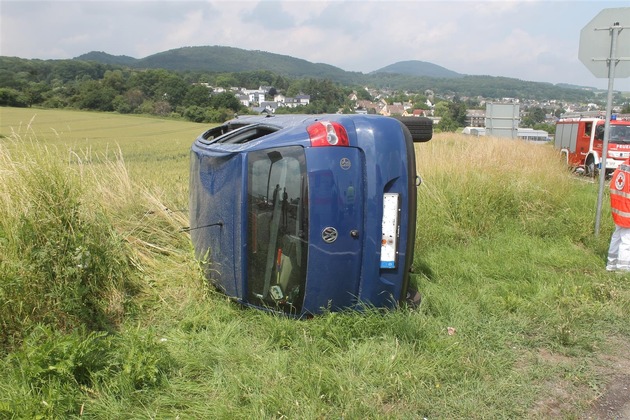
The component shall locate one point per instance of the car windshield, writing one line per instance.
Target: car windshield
(277, 228)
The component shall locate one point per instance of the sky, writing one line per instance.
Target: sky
(528, 40)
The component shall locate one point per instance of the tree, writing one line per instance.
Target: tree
(281, 83)
(171, 88)
(447, 124)
(549, 128)
(198, 95)
(535, 115)
(195, 114)
(219, 115)
(34, 92)
(323, 90)
(441, 110)
(225, 80)
(162, 108)
(225, 100)
(12, 97)
(134, 98)
(115, 80)
(363, 94)
(452, 115)
(146, 81)
(93, 95)
(458, 112)
(159, 85)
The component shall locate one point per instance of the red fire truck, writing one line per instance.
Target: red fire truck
(580, 140)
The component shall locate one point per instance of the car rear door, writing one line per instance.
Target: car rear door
(336, 194)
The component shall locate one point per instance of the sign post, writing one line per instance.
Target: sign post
(605, 51)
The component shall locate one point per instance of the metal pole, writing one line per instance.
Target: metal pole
(612, 63)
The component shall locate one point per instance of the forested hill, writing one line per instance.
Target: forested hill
(415, 76)
(418, 68)
(104, 58)
(217, 59)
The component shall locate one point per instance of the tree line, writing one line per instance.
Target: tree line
(91, 85)
(111, 88)
(96, 86)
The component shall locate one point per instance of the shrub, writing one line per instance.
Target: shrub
(62, 263)
(12, 97)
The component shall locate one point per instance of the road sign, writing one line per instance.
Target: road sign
(605, 51)
(595, 43)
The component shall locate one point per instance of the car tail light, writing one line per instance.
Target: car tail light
(326, 133)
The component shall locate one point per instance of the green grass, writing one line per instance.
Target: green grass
(506, 261)
(155, 151)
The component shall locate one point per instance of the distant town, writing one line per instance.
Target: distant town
(259, 101)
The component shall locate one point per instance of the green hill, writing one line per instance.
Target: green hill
(104, 58)
(218, 59)
(412, 75)
(418, 68)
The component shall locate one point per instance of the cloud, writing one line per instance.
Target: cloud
(343, 18)
(531, 40)
(269, 15)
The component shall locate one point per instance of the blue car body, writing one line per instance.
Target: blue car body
(285, 221)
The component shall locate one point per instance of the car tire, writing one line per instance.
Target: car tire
(413, 298)
(421, 128)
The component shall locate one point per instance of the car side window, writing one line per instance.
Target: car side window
(235, 134)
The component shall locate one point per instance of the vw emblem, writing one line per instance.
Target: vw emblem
(345, 164)
(329, 235)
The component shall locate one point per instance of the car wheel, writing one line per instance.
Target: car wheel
(421, 128)
(413, 298)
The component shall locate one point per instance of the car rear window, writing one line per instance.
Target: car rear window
(277, 236)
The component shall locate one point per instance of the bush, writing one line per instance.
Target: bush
(195, 113)
(62, 263)
(12, 97)
(219, 115)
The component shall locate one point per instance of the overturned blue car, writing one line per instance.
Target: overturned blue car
(301, 214)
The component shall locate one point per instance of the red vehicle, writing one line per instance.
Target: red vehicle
(580, 140)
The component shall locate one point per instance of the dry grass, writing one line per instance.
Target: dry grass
(456, 155)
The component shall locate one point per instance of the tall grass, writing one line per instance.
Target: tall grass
(477, 186)
(76, 238)
(517, 309)
(63, 263)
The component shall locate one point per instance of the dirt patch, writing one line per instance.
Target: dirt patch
(563, 397)
(614, 402)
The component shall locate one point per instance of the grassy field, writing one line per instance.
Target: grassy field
(155, 150)
(104, 313)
